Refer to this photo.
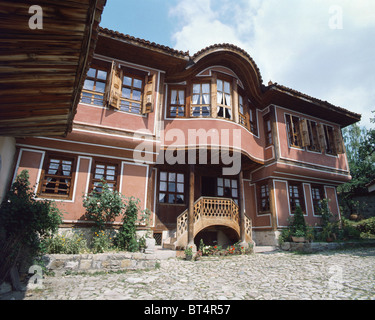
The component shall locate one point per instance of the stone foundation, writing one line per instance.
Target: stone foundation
(66, 263)
(266, 238)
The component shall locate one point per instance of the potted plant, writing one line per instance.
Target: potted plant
(299, 236)
(189, 253)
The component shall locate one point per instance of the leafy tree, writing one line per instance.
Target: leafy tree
(24, 220)
(359, 143)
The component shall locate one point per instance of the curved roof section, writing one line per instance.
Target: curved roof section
(227, 47)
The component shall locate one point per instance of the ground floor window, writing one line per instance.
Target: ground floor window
(264, 197)
(317, 194)
(57, 176)
(104, 171)
(171, 187)
(296, 196)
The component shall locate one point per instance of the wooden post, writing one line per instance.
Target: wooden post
(242, 209)
(191, 208)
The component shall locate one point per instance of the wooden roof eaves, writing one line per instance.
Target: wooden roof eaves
(89, 43)
(347, 117)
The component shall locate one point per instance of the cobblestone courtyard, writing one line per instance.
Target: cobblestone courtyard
(347, 274)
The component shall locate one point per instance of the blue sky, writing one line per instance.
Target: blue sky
(145, 19)
(323, 48)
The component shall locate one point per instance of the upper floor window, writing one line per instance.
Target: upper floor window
(329, 140)
(227, 188)
(57, 177)
(131, 94)
(314, 144)
(201, 100)
(294, 136)
(94, 86)
(268, 130)
(224, 99)
(176, 106)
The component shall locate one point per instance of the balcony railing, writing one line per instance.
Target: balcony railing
(210, 211)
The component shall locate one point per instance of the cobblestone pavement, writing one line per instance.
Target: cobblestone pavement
(347, 274)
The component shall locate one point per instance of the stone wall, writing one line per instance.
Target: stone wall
(311, 247)
(65, 263)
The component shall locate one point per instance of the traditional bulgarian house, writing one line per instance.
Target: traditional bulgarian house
(210, 150)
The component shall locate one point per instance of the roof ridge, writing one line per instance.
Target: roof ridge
(143, 41)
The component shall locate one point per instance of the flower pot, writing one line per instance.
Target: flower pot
(188, 257)
(353, 217)
(298, 239)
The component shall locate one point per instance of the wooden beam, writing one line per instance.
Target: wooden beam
(191, 206)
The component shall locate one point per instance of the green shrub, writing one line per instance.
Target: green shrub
(23, 222)
(61, 244)
(101, 242)
(104, 206)
(126, 237)
(366, 226)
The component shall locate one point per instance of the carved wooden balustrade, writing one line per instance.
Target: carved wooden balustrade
(210, 211)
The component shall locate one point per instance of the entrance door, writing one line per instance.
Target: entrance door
(209, 186)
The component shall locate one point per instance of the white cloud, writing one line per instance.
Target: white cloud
(293, 43)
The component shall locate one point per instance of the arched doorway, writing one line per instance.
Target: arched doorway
(217, 235)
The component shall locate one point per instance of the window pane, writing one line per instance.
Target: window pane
(196, 111)
(180, 177)
(196, 88)
(181, 96)
(137, 83)
(205, 88)
(171, 198)
(127, 81)
(171, 187)
(219, 85)
(220, 191)
(100, 86)
(136, 95)
(88, 85)
(172, 177)
(195, 99)
(234, 183)
(227, 182)
(180, 198)
(173, 111)
(205, 111)
(220, 182)
(163, 186)
(174, 97)
(102, 75)
(163, 176)
(234, 193)
(91, 73)
(206, 99)
(180, 187)
(226, 87)
(126, 93)
(162, 197)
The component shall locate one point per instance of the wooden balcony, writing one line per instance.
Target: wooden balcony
(210, 211)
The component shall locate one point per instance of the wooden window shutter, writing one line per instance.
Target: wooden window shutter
(148, 97)
(339, 143)
(304, 131)
(322, 138)
(113, 91)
